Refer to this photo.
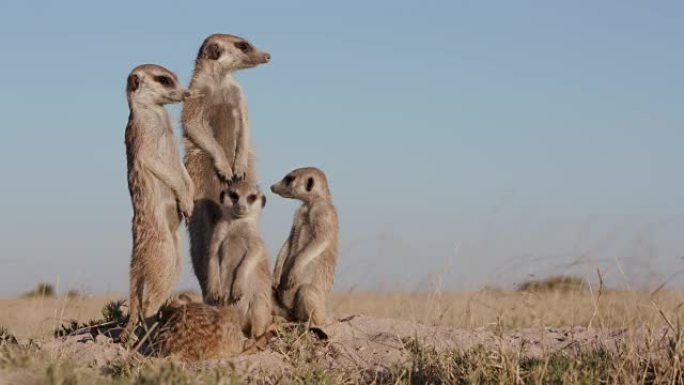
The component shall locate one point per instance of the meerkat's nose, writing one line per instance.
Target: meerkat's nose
(267, 57)
(187, 93)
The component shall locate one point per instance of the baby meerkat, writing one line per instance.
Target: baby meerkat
(305, 266)
(238, 273)
(197, 331)
(161, 189)
(217, 134)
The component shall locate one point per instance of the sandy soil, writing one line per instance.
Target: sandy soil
(370, 343)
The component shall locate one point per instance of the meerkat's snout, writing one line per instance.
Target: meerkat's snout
(283, 186)
(266, 57)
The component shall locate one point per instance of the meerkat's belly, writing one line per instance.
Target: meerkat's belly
(165, 206)
(226, 127)
(233, 250)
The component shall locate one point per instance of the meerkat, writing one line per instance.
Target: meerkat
(238, 274)
(305, 266)
(160, 187)
(217, 134)
(197, 331)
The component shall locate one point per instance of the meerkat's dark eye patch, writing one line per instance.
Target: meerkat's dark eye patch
(251, 198)
(233, 196)
(309, 184)
(243, 46)
(164, 80)
(288, 180)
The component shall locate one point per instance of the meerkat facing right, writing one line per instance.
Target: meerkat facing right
(305, 267)
(238, 261)
(217, 135)
(161, 189)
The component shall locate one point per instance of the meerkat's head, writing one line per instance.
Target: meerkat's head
(226, 53)
(154, 84)
(305, 184)
(242, 200)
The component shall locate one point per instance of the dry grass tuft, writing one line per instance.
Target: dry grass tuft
(44, 290)
(652, 355)
(557, 283)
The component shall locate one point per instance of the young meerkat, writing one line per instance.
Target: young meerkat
(238, 273)
(217, 134)
(161, 189)
(197, 331)
(305, 266)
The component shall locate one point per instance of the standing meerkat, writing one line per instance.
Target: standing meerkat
(197, 331)
(238, 272)
(161, 189)
(305, 266)
(217, 135)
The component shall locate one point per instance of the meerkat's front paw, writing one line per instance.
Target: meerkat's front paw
(237, 178)
(236, 292)
(186, 206)
(212, 299)
(240, 170)
(224, 171)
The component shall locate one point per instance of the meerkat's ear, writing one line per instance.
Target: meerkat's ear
(222, 197)
(310, 184)
(212, 51)
(263, 201)
(132, 83)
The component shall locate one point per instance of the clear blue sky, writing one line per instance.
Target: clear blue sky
(467, 143)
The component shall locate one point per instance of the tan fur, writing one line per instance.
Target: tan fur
(161, 189)
(305, 266)
(238, 274)
(196, 331)
(217, 134)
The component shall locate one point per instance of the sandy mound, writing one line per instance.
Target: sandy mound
(367, 343)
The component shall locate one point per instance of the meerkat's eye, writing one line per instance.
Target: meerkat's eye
(164, 80)
(233, 196)
(251, 198)
(288, 180)
(243, 46)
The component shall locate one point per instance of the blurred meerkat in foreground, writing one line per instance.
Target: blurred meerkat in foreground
(217, 133)
(197, 331)
(305, 267)
(238, 274)
(161, 189)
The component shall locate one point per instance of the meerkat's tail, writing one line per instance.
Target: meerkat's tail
(135, 299)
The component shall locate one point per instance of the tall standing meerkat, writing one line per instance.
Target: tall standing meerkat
(305, 267)
(160, 187)
(238, 273)
(217, 134)
(197, 331)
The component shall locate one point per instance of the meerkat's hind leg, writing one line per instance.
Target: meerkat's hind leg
(310, 305)
(201, 227)
(135, 309)
(160, 286)
(260, 318)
